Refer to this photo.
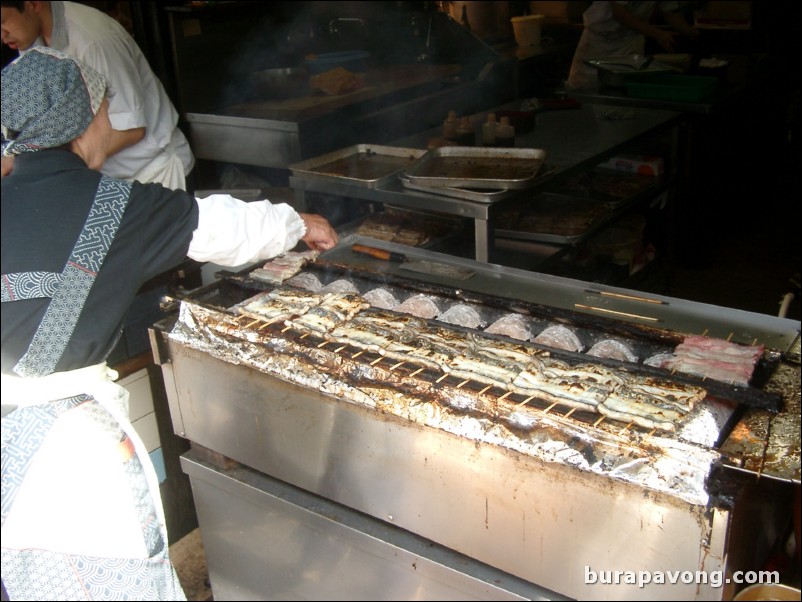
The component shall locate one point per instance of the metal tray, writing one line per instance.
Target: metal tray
(615, 188)
(484, 168)
(472, 194)
(469, 194)
(430, 228)
(553, 218)
(624, 187)
(366, 165)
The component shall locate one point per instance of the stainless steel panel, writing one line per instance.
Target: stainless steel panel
(264, 142)
(671, 313)
(542, 522)
(266, 540)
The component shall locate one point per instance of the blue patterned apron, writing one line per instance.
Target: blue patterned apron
(40, 574)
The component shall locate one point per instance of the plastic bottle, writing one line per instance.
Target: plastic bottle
(466, 136)
(505, 133)
(489, 130)
(450, 126)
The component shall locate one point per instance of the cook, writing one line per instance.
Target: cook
(616, 29)
(81, 512)
(146, 143)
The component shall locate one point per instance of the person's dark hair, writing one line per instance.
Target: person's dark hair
(20, 6)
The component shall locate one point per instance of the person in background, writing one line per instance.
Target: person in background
(146, 143)
(615, 29)
(81, 513)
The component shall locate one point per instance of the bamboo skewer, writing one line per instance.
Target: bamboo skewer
(525, 401)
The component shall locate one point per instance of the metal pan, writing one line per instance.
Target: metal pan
(468, 194)
(473, 194)
(553, 218)
(483, 168)
(366, 165)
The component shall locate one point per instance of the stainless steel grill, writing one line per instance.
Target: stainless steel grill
(526, 493)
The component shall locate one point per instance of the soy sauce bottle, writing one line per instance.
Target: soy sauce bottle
(505, 133)
(489, 130)
(465, 134)
(450, 126)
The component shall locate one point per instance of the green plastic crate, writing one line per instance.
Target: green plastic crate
(690, 88)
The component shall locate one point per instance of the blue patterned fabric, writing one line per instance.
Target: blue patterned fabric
(29, 285)
(48, 100)
(68, 300)
(30, 427)
(36, 574)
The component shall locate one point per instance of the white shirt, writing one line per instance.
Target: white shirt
(232, 232)
(138, 97)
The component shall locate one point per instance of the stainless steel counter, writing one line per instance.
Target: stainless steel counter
(573, 140)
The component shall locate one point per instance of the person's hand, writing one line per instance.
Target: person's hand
(319, 236)
(7, 166)
(665, 39)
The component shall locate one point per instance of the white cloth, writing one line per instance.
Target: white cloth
(138, 97)
(232, 232)
(604, 37)
(74, 452)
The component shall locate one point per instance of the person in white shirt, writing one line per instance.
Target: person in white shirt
(615, 29)
(147, 144)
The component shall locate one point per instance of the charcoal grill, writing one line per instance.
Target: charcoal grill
(322, 469)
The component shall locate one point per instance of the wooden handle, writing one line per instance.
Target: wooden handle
(377, 253)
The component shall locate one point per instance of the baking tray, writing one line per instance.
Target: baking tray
(405, 226)
(472, 194)
(615, 188)
(553, 218)
(485, 168)
(365, 165)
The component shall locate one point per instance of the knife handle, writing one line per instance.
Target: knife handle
(377, 253)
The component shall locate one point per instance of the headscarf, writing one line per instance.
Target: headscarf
(48, 100)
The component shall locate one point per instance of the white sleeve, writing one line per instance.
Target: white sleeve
(232, 232)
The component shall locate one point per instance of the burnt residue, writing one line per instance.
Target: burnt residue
(486, 414)
(645, 341)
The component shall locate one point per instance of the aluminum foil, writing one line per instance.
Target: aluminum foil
(660, 463)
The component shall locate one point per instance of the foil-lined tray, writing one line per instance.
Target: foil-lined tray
(486, 168)
(365, 165)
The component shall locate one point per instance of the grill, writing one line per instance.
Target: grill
(521, 488)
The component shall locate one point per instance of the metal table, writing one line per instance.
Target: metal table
(574, 140)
